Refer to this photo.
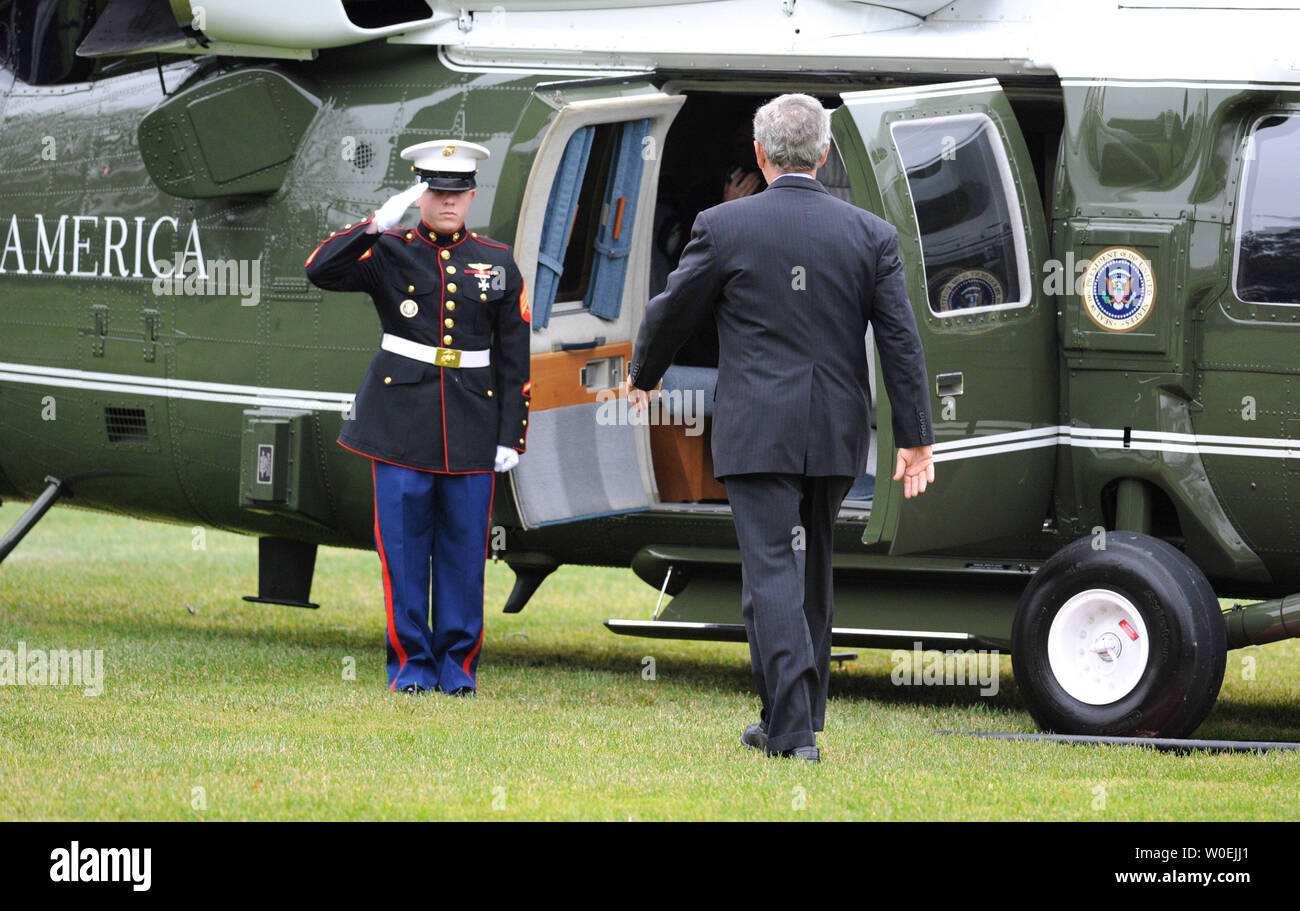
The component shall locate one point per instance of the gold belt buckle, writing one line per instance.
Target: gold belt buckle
(448, 357)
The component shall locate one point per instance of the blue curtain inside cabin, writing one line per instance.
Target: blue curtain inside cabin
(614, 240)
(560, 212)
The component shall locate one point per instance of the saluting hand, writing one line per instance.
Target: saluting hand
(391, 212)
(915, 469)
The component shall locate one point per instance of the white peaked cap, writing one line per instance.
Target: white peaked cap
(446, 155)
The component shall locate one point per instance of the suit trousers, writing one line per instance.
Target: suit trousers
(784, 524)
(431, 531)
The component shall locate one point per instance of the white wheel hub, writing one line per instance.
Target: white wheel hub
(1097, 646)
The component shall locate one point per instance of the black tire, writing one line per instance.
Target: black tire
(1187, 647)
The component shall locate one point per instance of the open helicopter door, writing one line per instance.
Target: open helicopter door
(948, 167)
(582, 242)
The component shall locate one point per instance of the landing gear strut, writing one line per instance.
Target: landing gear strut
(34, 514)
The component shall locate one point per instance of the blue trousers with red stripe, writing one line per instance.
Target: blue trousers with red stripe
(432, 528)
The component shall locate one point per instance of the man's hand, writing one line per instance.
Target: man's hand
(915, 469)
(507, 458)
(391, 212)
(741, 185)
(637, 399)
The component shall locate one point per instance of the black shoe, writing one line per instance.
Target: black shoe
(755, 736)
(413, 689)
(808, 754)
(463, 691)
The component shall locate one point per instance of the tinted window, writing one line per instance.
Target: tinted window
(1268, 235)
(39, 38)
(972, 240)
(586, 221)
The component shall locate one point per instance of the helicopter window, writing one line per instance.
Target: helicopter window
(972, 238)
(38, 40)
(1268, 227)
(589, 216)
(379, 13)
(613, 240)
(562, 265)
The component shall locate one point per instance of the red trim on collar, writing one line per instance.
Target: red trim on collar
(464, 235)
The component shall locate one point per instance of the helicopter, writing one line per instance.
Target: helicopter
(1099, 223)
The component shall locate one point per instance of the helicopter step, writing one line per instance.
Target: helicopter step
(863, 638)
(876, 598)
(34, 514)
(284, 572)
(530, 571)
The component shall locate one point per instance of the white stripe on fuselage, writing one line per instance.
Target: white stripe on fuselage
(1113, 438)
(194, 390)
(946, 451)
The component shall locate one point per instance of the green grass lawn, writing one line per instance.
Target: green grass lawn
(213, 708)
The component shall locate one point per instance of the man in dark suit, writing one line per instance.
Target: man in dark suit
(792, 276)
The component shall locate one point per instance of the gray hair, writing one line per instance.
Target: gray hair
(794, 130)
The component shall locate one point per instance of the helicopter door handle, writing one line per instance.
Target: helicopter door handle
(581, 346)
(99, 313)
(150, 349)
(946, 384)
(603, 373)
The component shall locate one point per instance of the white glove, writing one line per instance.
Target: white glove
(507, 458)
(391, 212)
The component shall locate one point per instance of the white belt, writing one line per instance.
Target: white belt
(440, 357)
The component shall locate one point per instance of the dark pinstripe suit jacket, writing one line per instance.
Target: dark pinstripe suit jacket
(792, 276)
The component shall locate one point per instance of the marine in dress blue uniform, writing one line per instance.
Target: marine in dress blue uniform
(443, 404)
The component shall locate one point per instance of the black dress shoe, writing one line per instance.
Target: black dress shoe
(808, 754)
(463, 691)
(755, 736)
(413, 689)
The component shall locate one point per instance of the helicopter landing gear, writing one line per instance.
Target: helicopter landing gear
(53, 491)
(1119, 635)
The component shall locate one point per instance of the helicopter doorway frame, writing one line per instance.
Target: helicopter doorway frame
(585, 458)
